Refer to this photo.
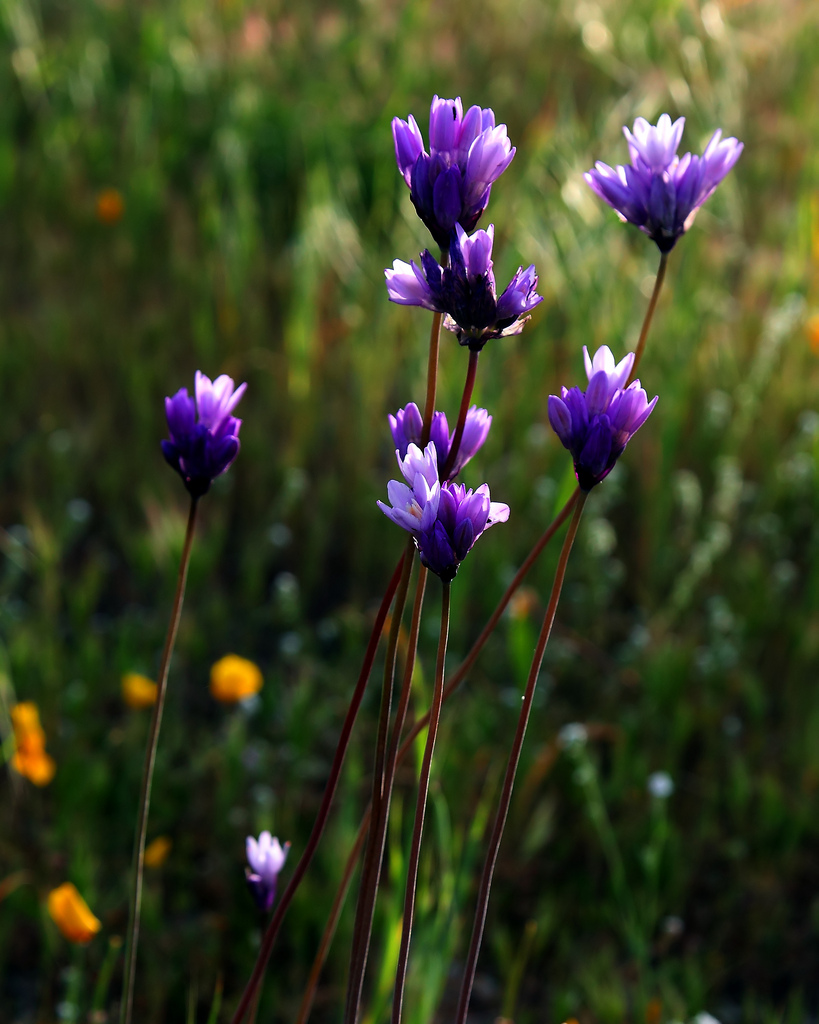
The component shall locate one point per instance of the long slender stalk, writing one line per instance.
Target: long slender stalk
(126, 1009)
(512, 767)
(652, 305)
(420, 810)
(421, 723)
(372, 859)
(466, 398)
(463, 669)
(326, 800)
(332, 922)
(432, 376)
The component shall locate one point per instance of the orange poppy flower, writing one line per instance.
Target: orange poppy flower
(157, 852)
(30, 758)
(72, 914)
(233, 679)
(110, 206)
(138, 691)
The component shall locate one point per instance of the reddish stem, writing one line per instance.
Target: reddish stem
(512, 767)
(326, 801)
(466, 398)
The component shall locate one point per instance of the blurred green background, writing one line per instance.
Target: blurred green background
(256, 202)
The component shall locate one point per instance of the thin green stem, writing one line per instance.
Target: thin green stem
(466, 398)
(372, 858)
(126, 1009)
(329, 792)
(420, 810)
(512, 766)
(652, 305)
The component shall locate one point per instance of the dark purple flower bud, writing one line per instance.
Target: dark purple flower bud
(465, 290)
(596, 426)
(266, 857)
(200, 448)
(451, 184)
(445, 520)
(659, 191)
(407, 428)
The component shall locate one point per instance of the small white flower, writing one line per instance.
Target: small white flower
(661, 786)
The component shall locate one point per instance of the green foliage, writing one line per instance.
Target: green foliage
(251, 151)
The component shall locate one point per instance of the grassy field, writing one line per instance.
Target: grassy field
(200, 184)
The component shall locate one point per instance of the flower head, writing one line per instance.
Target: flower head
(451, 184)
(266, 857)
(138, 691)
(202, 448)
(30, 758)
(465, 290)
(659, 191)
(407, 428)
(445, 519)
(596, 425)
(233, 679)
(72, 915)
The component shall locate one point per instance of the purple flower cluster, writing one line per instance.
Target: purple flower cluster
(445, 519)
(659, 191)
(204, 434)
(266, 857)
(451, 184)
(407, 428)
(596, 425)
(465, 290)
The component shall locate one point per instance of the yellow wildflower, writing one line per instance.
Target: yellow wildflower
(233, 678)
(157, 851)
(72, 914)
(30, 758)
(138, 691)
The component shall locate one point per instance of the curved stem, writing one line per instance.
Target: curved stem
(148, 772)
(372, 859)
(652, 305)
(420, 810)
(326, 800)
(512, 766)
(466, 398)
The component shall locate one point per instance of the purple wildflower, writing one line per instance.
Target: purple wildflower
(407, 428)
(465, 290)
(451, 184)
(199, 450)
(659, 191)
(596, 425)
(445, 519)
(266, 857)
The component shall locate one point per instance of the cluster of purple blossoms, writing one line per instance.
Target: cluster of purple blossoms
(465, 290)
(451, 184)
(445, 519)
(266, 857)
(659, 191)
(201, 448)
(407, 428)
(596, 425)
